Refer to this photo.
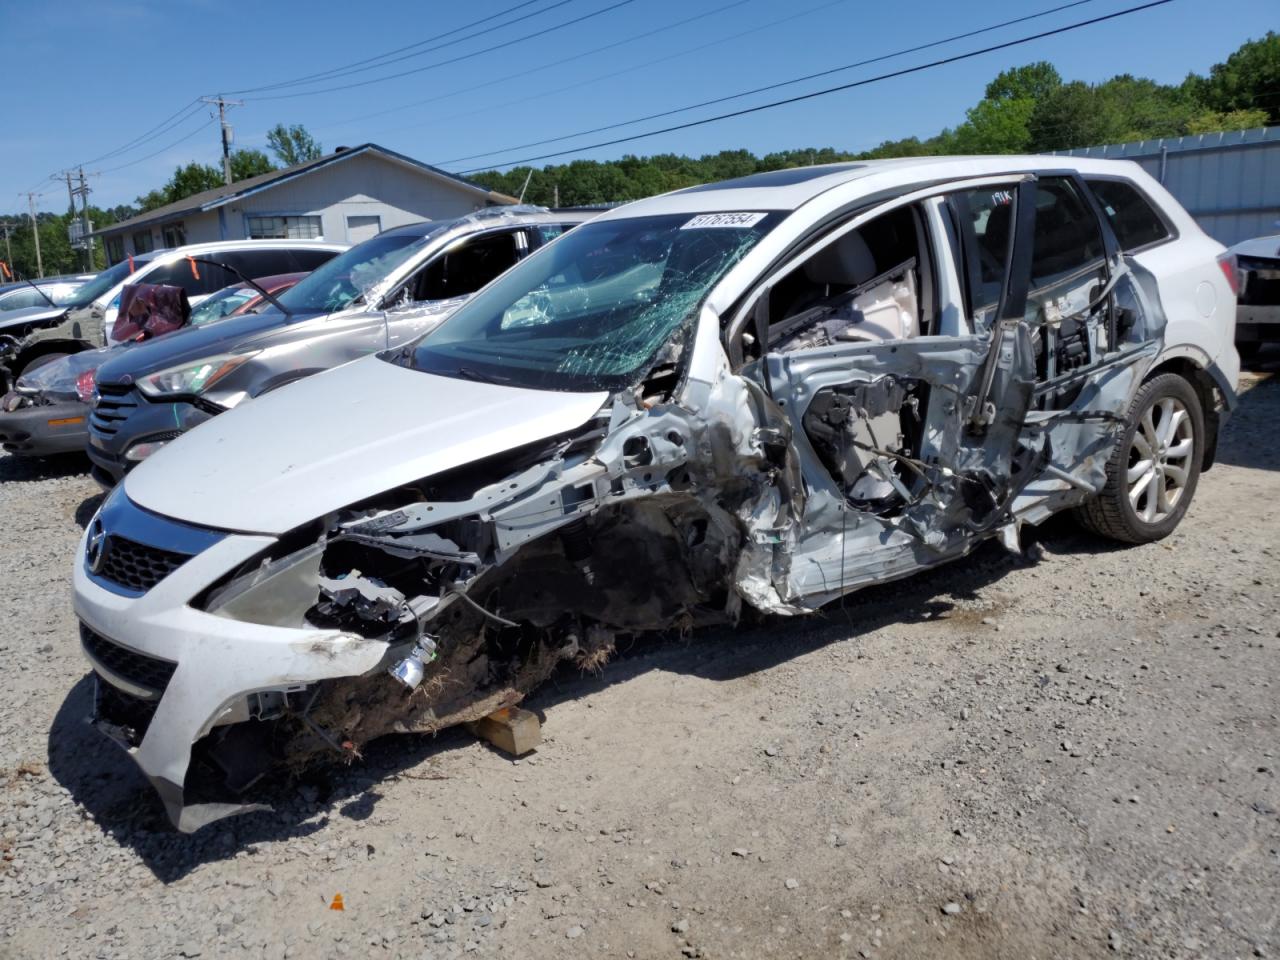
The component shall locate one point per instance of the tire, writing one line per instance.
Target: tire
(42, 360)
(1130, 507)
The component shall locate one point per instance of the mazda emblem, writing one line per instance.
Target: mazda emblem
(95, 550)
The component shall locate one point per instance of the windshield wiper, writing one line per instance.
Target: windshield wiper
(471, 373)
(226, 266)
(39, 291)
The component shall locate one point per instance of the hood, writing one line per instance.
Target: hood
(12, 320)
(192, 343)
(339, 437)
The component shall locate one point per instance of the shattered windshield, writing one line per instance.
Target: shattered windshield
(336, 284)
(593, 309)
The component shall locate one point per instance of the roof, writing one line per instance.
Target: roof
(219, 196)
(792, 188)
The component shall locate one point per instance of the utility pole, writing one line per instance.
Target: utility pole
(84, 221)
(8, 250)
(35, 229)
(71, 196)
(79, 239)
(227, 134)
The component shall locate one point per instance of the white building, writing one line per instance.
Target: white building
(348, 195)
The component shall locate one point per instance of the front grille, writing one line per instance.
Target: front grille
(115, 404)
(150, 673)
(137, 566)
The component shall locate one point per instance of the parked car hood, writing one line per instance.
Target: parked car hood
(192, 343)
(340, 437)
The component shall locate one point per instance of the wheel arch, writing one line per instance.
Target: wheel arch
(1194, 365)
(40, 348)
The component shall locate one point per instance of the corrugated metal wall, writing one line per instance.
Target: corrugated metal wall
(1230, 182)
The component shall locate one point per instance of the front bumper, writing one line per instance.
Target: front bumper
(120, 422)
(198, 667)
(43, 431)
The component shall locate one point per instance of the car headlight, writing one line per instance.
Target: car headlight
(192, 378)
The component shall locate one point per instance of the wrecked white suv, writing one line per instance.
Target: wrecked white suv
(762, 394)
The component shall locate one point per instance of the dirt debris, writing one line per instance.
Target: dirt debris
(1072, 753)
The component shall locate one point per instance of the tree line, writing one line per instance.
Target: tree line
(1027, 109)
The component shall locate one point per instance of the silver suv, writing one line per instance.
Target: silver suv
(379, 294)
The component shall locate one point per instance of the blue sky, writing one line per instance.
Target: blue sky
(89, 77)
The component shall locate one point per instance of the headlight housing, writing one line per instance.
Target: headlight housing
(192, 378)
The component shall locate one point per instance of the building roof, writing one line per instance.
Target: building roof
(219, 196)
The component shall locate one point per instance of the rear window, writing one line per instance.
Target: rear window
(269, 263)
(1133, 220)
(198, 279)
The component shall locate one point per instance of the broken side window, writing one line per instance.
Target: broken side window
(984, 220)
(870, 284)
(1068, 271)
(466, 268)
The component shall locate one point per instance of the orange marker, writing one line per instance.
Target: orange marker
(337, 902)
(196, 274)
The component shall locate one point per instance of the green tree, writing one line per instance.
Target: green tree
(1211, 121)
(249, 163)
(293, 145)
(995, 126)
(1032, 81)
(1248, 79)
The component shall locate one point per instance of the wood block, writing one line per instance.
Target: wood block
(511, 730)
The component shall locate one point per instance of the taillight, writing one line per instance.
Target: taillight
(1227, 263)
(85, 385)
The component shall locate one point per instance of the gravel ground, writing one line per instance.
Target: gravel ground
(1071, 753)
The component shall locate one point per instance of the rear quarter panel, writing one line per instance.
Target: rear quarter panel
(1199, 304)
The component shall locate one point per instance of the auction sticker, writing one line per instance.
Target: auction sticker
(739, 220)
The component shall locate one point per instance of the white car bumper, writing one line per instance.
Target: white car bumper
(215, 662)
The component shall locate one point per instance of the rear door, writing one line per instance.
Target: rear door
(913, 445)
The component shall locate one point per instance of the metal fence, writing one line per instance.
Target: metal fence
(1229, 181)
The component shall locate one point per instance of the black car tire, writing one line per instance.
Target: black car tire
(1125, 509)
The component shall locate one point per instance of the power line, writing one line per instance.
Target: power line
(775, 86)
(208, 123)
(457, 59)
(178, 118)
(160, 128)
(561, 61)
(359, 66)
(830, 90)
